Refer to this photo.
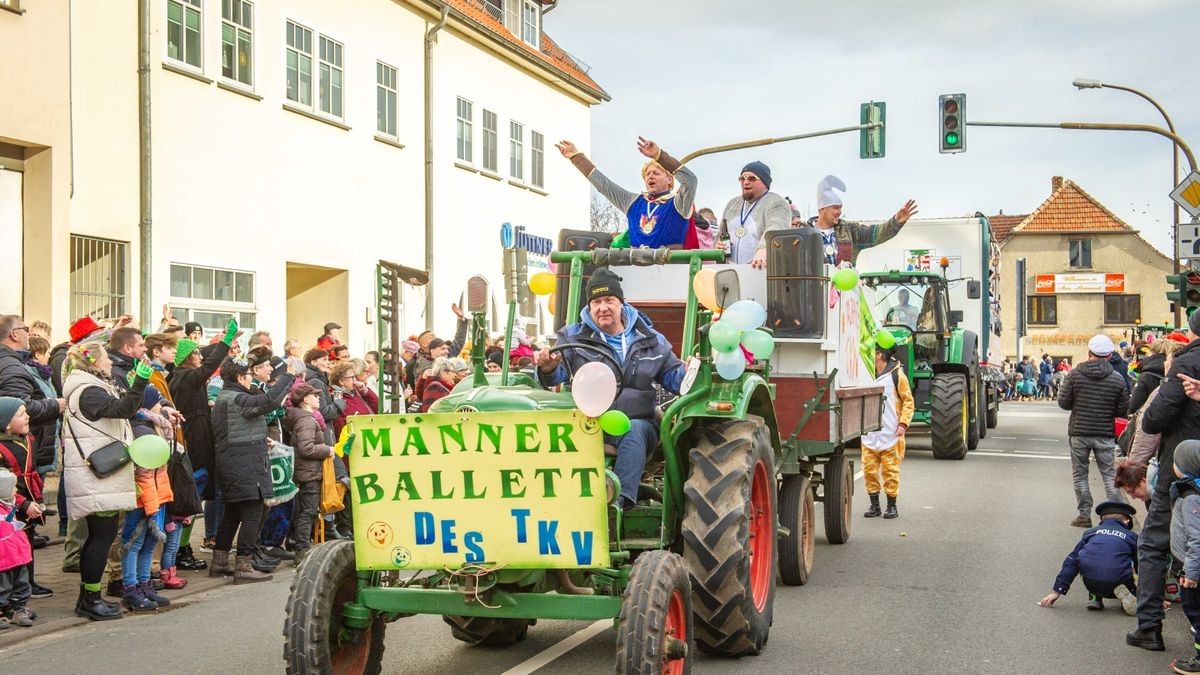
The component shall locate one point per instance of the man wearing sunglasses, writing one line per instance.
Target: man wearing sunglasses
(749, 217)
(658, 217)
(17, 381)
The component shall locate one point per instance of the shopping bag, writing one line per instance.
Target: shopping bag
(283, 463)
(331, 493)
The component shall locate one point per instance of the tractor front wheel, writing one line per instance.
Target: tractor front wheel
(655, 633)
(729, 535)
(315, 639)
(949, 415)
(486, 631)
(797, 513)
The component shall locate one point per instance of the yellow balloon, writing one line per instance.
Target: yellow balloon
(550, 307)
(705, 285)
(542, 283)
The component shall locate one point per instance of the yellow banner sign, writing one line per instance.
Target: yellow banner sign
(523, 490)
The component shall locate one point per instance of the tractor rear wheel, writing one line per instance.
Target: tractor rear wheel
(837, 494)
(797, 513)
(981, 407)
(949, 415)
(655, 633)
(486, 631)
(729, 535)
(315, 640)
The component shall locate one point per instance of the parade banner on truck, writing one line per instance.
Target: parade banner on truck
(519, 489)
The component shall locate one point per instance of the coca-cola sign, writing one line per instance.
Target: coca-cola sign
(1079, 283)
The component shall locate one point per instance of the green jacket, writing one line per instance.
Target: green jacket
(855, 237)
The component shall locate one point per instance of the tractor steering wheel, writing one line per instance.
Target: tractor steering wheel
(605, 355)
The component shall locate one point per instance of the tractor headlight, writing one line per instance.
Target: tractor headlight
(612, 487)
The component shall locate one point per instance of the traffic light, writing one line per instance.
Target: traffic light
(1185, 291)
(871, 141)
(953, 128)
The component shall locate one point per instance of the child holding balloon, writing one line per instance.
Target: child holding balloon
(145, 526)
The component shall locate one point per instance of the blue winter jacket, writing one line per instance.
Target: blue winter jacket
(1105, 553)
(645, 356)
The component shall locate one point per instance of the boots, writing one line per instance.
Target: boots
(134, 598)
(172, 580)
(246, 574)
(186, 560)
(220, 564)
(153, 596)
(263, 562)
(91, 606)
(891, 508)
(874, 511)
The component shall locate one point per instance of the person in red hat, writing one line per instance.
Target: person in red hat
(329, 338)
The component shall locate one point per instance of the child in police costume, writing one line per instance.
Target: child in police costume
(884, 449)
(1104, 557)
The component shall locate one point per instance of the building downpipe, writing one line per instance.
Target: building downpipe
(144, 203)
(430, 40)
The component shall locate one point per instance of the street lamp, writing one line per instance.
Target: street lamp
(1085, 83)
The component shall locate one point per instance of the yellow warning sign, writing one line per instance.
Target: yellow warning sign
(1187, 194)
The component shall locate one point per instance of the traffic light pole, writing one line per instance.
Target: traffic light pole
(782, 139)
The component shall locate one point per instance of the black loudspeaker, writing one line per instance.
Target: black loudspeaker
(796, 283)
(574, 240)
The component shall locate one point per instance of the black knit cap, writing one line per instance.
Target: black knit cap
(1194, 322)
(602, 283)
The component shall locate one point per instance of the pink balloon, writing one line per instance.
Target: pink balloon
(594, 388)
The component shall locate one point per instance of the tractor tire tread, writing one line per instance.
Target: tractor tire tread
(655, 577)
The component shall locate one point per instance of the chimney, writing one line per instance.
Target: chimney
(1055, 183)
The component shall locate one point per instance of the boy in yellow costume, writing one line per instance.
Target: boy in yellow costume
(885, 447)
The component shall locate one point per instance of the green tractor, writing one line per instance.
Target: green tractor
(951, 392)
(495, 509)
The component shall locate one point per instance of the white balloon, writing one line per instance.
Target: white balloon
(750, 314)
(730, 365)
(594, 388)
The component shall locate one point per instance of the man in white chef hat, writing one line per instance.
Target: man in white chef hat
(844, 240)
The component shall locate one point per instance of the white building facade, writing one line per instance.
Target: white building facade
(288, 153)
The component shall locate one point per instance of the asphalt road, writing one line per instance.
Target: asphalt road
(950, 586)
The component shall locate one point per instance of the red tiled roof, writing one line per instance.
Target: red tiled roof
(1002, 225)
(1071, 209)
(549, 53)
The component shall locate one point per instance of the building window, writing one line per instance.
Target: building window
(531, 16)
(1123, 309)
(12, 5)
(466, 122)
(490, 141)
(212, 296)
(99, 277)
(237, 25)
(537, 160)
(495, 9)
(1042, 310)
(1080, 253)
(512, 16)
(516, 150)
(385, 99)
(183, 31)
(331, 77)
(299, 64)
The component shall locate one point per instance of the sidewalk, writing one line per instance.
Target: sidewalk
(58, 612)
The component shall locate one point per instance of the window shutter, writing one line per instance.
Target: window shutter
(174, 12)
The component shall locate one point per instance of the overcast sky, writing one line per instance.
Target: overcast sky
(696, 73)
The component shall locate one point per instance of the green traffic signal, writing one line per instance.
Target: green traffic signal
(952, 113)
(952, 138)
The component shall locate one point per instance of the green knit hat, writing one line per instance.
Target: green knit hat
(184, 349)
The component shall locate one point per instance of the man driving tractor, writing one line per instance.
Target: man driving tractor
(645, 357)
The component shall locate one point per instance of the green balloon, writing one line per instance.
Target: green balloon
(724, 336)
(149, 452)
(845, 279)
(615, 423)
(885, 339)
(759, 343)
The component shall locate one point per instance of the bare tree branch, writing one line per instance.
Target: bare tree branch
(604, 216)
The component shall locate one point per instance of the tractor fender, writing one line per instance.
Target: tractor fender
(751, 396)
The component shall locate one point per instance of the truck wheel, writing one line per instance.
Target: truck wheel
(486, 631)
(836, 496)
(797, 512)
(974, 421)
(993, 416)
(315, 641)
(729, 536)
(655, 633)
(948, 416)
(981, 407)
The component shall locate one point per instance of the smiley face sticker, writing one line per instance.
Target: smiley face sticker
(401, 556)
(379, 534)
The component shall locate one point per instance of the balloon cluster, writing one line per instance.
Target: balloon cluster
(736, 334)
(594, 389)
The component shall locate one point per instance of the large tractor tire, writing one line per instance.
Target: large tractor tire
(729, 536)
(981, 407)
(837, 493)
(993, 416)
(486, 631)
(797, 513)
(655, 634)
(974, 422)
(949, 415)
(314, 639)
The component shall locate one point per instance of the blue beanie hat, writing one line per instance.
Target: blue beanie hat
(151, 397)
(761, 170)
(8, 409)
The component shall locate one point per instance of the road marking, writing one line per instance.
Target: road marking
(1047, 440)
(1015, 454)
(1004, 438)
(546, 656)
